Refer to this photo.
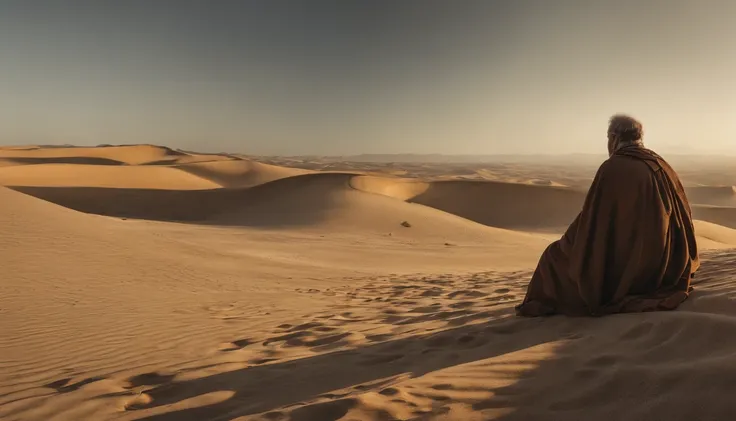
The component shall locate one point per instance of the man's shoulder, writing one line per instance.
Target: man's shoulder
(624, 163)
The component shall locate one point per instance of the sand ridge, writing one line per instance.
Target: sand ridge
(234, 173)
(144, 283)
(110, 155)
(107, 176)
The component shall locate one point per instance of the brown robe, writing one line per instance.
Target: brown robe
(631, 249)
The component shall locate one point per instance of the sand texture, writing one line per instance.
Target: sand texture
(146, 283)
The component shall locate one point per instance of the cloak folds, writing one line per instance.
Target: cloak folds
(631, 249)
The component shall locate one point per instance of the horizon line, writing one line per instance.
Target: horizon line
(364, 154)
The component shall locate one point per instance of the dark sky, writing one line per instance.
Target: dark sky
(348, 76)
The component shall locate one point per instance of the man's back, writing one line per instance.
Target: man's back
(631, 248)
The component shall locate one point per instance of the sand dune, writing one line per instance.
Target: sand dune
(322, 201)
(178, 171)
(508, 205)
(239, 172)
(298, 295)
(141, 203)
(711, 235)
(721, 215)
(79, 160)
(84, 175)
(135, 154)
(398, 188)
(188, 158)
(497, 204)
(441, 209)
(328, 201)
(712, 195)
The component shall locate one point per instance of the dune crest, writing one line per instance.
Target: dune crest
(127, 154)
(234, 173)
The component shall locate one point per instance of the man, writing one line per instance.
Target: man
(632, 247)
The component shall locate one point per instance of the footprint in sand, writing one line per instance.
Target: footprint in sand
(325, 329)
(149, 379)
(305, 326)
(274, 416)
(389, 391)
(236, 345)
(407, 303)
(64, 385)
(467, 293)
(463, 304)
(505, 297)
(433, 292)
(328, 340)
(290, 339)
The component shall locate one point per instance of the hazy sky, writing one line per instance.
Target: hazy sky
(373, 76)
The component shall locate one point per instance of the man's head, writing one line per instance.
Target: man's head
(623, 130)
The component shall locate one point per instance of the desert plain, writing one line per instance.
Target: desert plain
(141, 282)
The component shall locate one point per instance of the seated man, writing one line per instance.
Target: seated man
(632, 247)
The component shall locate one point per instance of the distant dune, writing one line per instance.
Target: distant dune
(721, 215)
(712, 195)
(239, 172)
(134, 155)
(498, 204)
(711, 235)
(316, 201)
(109, 176)
(328, 200)
(236, 191)
(508, 205)
(448, 158)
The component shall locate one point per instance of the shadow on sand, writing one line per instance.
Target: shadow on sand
(265, 388)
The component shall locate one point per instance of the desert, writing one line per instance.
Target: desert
(141, 282)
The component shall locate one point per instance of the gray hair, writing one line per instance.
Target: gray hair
(625, 129)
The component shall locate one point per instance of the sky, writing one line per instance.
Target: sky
(340, 77)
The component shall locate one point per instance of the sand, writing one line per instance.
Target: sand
(145, 283)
